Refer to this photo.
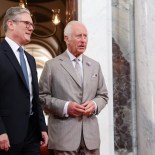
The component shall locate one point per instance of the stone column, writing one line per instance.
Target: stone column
(125, 140)
(145, 75)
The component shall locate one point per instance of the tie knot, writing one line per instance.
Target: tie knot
(77, 60)
(20, 49)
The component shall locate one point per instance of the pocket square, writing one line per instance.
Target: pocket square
(94, 75)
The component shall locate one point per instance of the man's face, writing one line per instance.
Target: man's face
(21, 29)
(77, 42)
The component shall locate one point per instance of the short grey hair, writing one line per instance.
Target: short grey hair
(12, 14)
(69, 27)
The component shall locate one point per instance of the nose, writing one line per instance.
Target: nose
(84, 37)
(32, 27)
(83, 40)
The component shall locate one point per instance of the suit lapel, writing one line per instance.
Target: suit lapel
(12, 58)
(87, 71)
(68, 66)
(33, 71)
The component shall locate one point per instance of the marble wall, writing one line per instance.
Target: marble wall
(124, 78)
(145, 77)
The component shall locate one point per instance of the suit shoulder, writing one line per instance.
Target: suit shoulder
(88, 59)
(52, 63)
(3, 44)
(55, 60)
(1, 48)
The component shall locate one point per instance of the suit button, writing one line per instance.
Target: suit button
(80, 94)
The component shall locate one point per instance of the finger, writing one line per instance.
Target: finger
(85, 104)
(88, 105)
(91, 107)
(2, 146)
(88, 109)
(43, 144)
(80, 107)
(6, 145)
(6, 148)
(79, 110)
(45, 141)
(76, 114)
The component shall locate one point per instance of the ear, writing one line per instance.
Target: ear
(66, 39)
(10, 25)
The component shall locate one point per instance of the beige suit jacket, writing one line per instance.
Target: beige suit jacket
(59, 84)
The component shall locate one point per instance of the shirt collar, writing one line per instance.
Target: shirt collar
(14, 46)
(72, 57)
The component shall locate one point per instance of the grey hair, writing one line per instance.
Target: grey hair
(12, 14)
(68, 29)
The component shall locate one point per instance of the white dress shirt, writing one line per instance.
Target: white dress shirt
(14, 46)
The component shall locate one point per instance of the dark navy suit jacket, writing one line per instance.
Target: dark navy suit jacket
(15, 97)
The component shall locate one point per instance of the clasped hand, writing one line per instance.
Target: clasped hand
(76, 110)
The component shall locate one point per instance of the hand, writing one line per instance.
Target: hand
(89, 108)
(4, 142)
(46, 110)
(75, 109)
(45, 139)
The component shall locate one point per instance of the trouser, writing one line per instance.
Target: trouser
(30, 146)
(82, 150)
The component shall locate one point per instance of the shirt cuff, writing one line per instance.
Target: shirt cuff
(65, 109)
(95, 107)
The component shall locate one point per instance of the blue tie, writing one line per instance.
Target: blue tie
(23, 65)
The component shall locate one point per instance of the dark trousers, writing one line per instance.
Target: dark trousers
(30, 146)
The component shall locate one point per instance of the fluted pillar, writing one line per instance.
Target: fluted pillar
(145, 75)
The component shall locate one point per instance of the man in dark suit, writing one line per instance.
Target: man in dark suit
(22, 124)
(73, 91)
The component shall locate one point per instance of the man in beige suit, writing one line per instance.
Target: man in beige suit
(73, 90)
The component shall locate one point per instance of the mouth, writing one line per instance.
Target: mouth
(28, 34)
(82, 47)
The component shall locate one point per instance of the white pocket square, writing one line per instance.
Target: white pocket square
(94, 75)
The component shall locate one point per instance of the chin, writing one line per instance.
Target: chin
(81, 52)
(28, 40)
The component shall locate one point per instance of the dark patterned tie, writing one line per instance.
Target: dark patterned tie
(23, 65)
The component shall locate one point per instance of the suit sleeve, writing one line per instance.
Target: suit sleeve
(101, 98)
(50, 103)
(2, 127)
(38, 109)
